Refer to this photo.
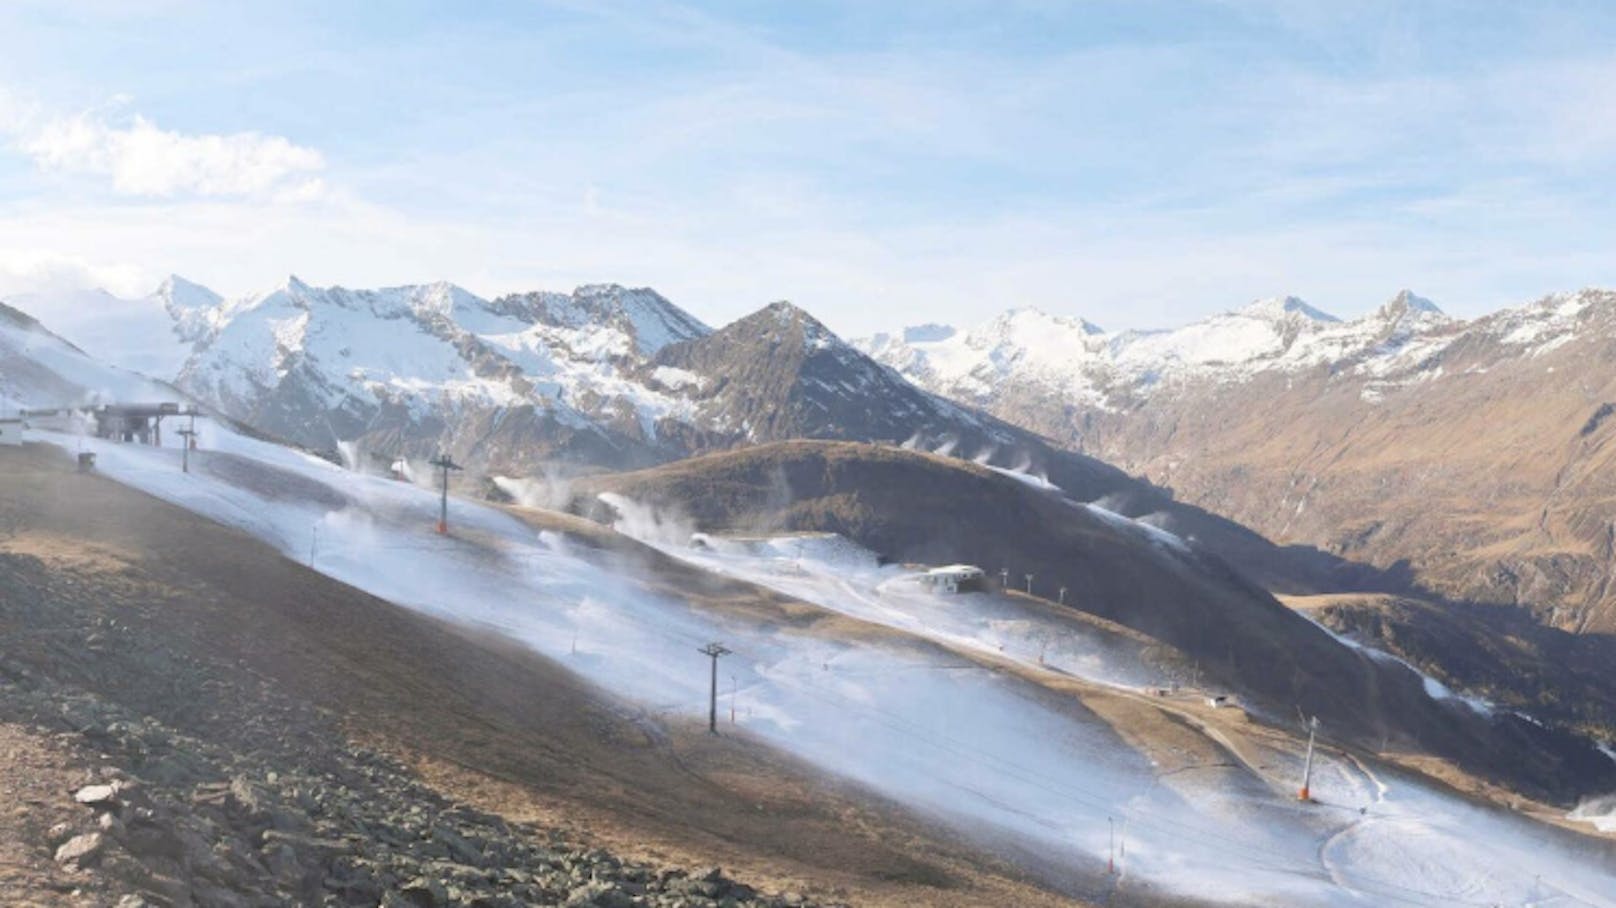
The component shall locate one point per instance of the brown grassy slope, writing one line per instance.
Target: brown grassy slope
(35, 775)
(1498, 653)
(487, 720)
(1493, 481)
(916, 507)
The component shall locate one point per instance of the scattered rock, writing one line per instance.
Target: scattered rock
(100, 797)
(81, 850)
(58, 834)
(425, 893)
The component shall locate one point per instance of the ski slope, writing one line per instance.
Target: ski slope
(906, 709)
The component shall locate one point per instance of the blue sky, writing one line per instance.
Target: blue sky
(1137, 163)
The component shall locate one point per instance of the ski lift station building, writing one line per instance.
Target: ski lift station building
(10, 432)
(953, 578)
(141, 423)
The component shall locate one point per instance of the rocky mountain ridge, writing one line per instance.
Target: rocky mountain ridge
(1465, 454)
(603, 376)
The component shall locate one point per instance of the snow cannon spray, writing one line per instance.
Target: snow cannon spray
(1307, 765)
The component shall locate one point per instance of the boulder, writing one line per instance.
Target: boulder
(98, 797)
(81, 850)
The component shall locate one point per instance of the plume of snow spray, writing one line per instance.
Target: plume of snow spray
(646, 523)
(547, 491)
(349, 452)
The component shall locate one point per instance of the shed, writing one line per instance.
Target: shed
(953, 578)
(11, 432)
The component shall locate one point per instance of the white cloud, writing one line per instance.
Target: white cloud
(143, 159)
(39, 271)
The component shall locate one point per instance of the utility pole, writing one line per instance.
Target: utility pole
(734, 689)
(185, 449)
(314, 542)
(444, 463)
(1004, 578)
(1029, 583)
(1063, 595)
(714, 650)
(1307, 766)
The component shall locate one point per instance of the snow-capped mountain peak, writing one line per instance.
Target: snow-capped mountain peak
(1407, 313)
(1409, 301)
(1284, 308)
(790, 319)
(1031, 319)
(177, 293)
(644, 317)
(1051, 351)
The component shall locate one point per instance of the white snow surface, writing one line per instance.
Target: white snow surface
(38, 369)
(908, 715)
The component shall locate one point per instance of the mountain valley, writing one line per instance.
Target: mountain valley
(639, 485)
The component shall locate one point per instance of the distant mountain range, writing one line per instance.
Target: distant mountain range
(602, 378)
(1025, 357)
(1471, 456)
(1410, 449)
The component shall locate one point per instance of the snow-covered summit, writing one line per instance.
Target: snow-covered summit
(1408, 301)
(605, 374)
(179, 294)
(1283, 308)
(1023, 355)
(641, 314)
(968, 365)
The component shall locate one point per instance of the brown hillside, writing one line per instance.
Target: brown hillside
(168, 615)
(924, 508)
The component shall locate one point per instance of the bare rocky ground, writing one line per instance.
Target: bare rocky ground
(111, 807)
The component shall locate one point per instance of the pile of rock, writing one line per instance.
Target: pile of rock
(273, 807)
(363, 834)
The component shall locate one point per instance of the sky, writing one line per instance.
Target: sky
(1137, 163)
